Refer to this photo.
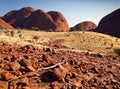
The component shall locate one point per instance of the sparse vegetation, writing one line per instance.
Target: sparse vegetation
(20, 35)
(117, 51)
(35, 28)
(50, 30)
(77, 40)
(12, 33)
(35, 38)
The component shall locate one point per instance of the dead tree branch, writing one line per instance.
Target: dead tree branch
(35, 72)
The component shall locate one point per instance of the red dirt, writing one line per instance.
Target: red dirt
(19, 69)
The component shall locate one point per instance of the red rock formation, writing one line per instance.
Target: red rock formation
(28, 18)
(4, 24)
(46, 21)
(15, 17)
(86, 25)
(110, 24)
(38, 19)
(59, 21)
(9, 17)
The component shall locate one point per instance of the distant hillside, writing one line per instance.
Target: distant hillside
(81, 41)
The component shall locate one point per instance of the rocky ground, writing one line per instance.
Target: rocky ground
(28, 67)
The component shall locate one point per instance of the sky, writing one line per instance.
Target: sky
(75, 11)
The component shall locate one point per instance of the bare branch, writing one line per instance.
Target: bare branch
(35, 72)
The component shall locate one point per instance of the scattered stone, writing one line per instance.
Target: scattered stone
(25, 80)
(8, 58)
(47, 49)
(7, 67)
(21, 85)
(60, 73)
(31, 68)
(74, 75)
(5, 76)
(25, 62)
(3, 85)
(15, 66)
(46, 58)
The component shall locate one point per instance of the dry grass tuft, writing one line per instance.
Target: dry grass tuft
(82, 40)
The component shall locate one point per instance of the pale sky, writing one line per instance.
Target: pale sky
(75, 11)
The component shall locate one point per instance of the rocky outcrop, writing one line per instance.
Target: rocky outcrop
(110, 24)
(86, 25)
(29, 18)
(59, 21)
(4, 24)
(46, 21)
(15, 17)
(38, 19)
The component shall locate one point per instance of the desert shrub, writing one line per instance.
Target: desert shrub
(7, 33)
(105, 43)
(20, 36)
(35, 38)
(117, 51)
(61, 31)
(35, 28)
(50, 30)
(19, 31)
(112, 45)
(12, 33)
(72, 29)
(116, 40)
(18, 28)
